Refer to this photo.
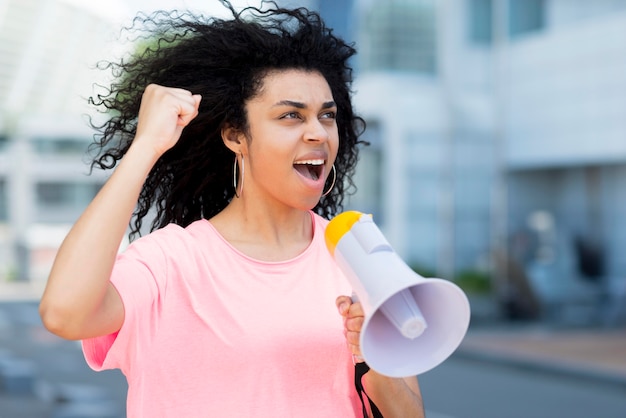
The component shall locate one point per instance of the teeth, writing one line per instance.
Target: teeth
(310, 162)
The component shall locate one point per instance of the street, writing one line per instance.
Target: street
(64, 387)
(54, 380)
(461, 388)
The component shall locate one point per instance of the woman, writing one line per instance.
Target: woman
(239, 133)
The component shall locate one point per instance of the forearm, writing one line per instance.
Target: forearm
(79, 278)
(394, 397)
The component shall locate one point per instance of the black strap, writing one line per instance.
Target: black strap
(359, 370)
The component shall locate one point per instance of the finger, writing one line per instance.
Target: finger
(354, 324)
(353, 337)
(355, 349)
(197, 99)
(343, 304)
(356, 309)
(186, 113)
(180, 94)
(181, 102)
(185, 96)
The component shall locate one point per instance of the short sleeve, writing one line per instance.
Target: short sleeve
(139, 276)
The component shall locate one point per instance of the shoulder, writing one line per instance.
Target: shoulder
(319, 221)
(170, 239)
(174, 231)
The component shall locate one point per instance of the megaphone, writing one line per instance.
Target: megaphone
(411, 324)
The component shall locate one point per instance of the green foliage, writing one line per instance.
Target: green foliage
(473, 281)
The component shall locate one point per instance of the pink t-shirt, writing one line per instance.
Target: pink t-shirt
(210, 332)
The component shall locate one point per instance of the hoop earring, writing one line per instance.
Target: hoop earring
(334, 170)
(243, 169)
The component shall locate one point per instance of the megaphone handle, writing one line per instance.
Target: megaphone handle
(359, 370)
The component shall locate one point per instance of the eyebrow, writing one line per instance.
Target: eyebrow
(300, 105)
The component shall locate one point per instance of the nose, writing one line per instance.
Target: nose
(316, 132)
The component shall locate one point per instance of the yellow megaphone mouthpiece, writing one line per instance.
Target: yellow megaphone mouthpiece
(338, 227)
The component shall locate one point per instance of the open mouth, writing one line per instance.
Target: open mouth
(311, 169)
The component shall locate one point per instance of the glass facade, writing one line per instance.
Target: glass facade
(60, 146)
(3, 201)
(65, 194)
(480, 16)
(399, 35)
(369, 177)
(524, 16)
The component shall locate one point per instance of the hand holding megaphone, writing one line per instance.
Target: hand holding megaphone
(411, 324)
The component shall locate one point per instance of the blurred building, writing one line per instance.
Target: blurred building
(498, 130)
(564, 136)
(46, 50)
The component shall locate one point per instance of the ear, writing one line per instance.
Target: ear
(234, 139)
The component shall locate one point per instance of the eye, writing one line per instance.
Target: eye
(290, 115)
(329, 115)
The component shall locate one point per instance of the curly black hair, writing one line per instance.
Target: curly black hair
(225, 61)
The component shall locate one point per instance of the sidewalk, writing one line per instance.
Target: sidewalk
(590, 353)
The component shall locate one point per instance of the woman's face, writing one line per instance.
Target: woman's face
(293, 139)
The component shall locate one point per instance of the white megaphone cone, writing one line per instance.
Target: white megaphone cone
(412, 324)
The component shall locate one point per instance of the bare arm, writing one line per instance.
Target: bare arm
(394, 397)
(79, 301)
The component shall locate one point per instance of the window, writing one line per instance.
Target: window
(65, 194)
(480, 18)
(524, 16)
(4, 215)
(368, 177)
(55, 194)
(399, 35)
(60, 146)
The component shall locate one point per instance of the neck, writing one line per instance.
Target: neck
(263, 233)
